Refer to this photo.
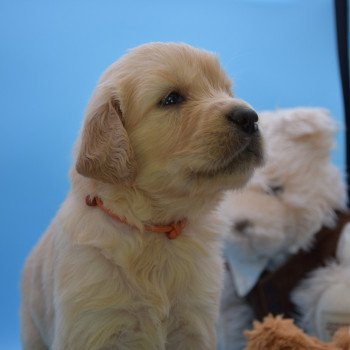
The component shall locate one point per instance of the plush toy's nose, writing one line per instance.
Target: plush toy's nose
(245, 118)
(242, 225)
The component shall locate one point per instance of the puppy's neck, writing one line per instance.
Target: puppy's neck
(140, 207)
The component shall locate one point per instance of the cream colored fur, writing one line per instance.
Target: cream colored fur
(282, 207)
(93, 283)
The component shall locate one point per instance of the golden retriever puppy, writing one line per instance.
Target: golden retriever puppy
(132, 259)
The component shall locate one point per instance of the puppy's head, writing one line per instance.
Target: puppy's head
(164, 119)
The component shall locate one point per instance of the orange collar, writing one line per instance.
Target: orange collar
(172, 230)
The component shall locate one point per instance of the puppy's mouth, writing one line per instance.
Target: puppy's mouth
(242, 160)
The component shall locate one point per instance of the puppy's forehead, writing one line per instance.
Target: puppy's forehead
(177, 64)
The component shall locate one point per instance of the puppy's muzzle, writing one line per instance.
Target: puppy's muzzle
(245, 119)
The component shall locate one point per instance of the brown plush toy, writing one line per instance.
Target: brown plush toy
(277, 333)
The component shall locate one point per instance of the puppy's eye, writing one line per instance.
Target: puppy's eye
(172, 99)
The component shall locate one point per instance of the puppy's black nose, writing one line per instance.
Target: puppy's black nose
(245, 118)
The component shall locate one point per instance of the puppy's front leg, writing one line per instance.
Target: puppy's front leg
(195, 331)
(184, 339)
(112, 329)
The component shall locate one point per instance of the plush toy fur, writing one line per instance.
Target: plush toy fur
(276, 333)
(278, 213)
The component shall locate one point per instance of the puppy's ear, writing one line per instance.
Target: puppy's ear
(105, 152)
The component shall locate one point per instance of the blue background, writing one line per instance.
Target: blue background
(280, 54)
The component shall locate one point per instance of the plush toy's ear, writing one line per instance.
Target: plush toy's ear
(301, 122)
(105, 152)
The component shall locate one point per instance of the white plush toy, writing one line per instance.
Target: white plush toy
(296, 193)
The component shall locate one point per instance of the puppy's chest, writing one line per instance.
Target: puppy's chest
(153, 285)
(166, 282)
(164, 271)
(167, 268)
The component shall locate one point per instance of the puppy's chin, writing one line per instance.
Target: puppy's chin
(240, 162)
